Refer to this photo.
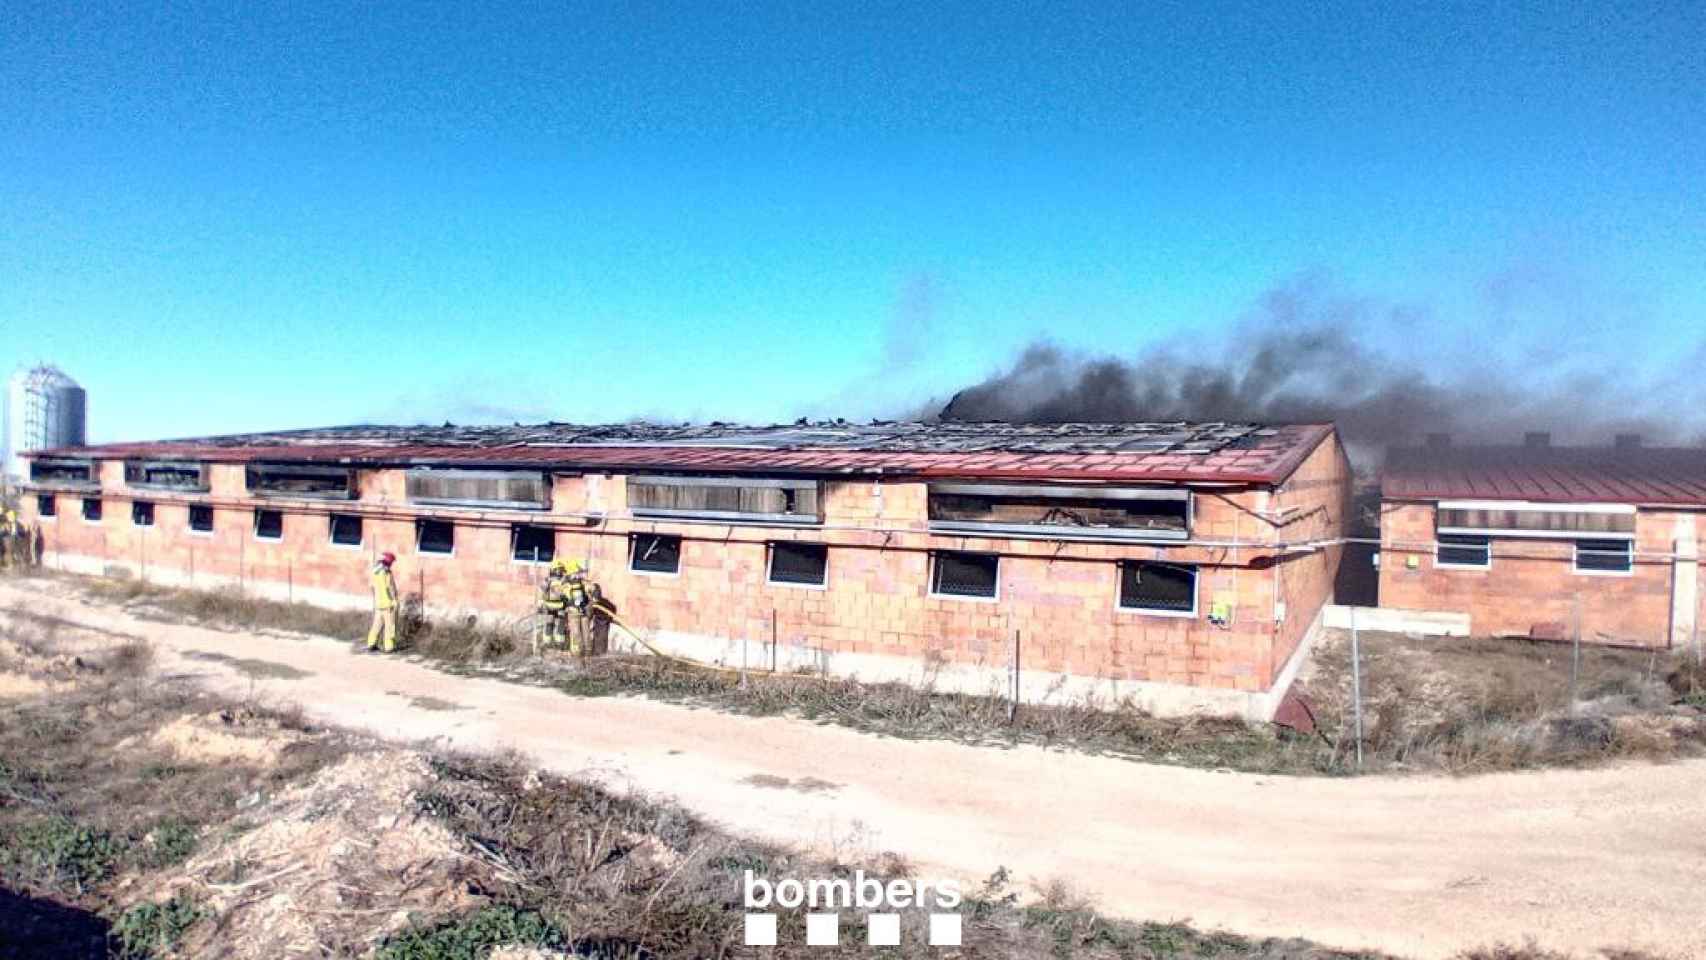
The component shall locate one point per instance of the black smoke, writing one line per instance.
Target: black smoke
(1324, 371)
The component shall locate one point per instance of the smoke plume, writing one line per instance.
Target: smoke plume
(1297, 361)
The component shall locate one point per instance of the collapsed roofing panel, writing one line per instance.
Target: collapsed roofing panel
(1226, 452)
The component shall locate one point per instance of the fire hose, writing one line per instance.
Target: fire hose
(603, 608)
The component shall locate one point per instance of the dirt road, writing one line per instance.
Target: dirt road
(1419, 866)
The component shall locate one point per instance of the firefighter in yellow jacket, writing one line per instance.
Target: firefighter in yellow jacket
(383, 633)
(564, 602)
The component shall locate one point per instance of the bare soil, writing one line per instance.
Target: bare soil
(1420, 866)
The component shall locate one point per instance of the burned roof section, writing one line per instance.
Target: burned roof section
(1223, 452)
(1670, 476)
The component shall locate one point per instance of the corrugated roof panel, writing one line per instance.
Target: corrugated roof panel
(1645, 475)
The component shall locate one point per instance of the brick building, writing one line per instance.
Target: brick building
(1184, 565)
(1540, 540)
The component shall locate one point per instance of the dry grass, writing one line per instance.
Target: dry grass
(1470, 705)
(1458, 705)
(90, 799)
(100, 814)
(607, 876)
(920, 712)
(458, 641)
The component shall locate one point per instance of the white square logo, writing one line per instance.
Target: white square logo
(761, 929)
(944, 929)
(823, 929)
(882, 929)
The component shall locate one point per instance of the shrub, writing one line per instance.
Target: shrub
(67, 855)
(174, 841)
(150, 929)
(474, 936)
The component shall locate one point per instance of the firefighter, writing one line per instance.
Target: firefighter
(579, 609)
(554, 602)
(383, 634)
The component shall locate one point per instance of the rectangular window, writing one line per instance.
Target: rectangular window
(319, 483)
(46, 506)
(1463, 550)
(269, 525)
(799, 564)
(435, 536)
(975, 575)
(165, 475)
(500, 489)
(52, 472)
(1519, 518)
(142, 513)
(92, 509)
(1605, 556)
(1154, 586)
(1102, 513)
(531, 544)
(201, 519)
(346, 529)
(764, 499)
(654, 553)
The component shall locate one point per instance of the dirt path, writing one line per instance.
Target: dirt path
(1420, 866)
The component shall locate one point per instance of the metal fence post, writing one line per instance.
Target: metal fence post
(1013, 703)
(1575, 654)
(1356, 684)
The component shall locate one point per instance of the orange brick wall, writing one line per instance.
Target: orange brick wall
(1061, 598)
(1532, 583)
(1315, 502)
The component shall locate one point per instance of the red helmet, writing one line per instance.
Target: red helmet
(387, 558)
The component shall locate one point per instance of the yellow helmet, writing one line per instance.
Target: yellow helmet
(574, 566)
(559, 565)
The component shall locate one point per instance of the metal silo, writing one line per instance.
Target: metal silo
(44, 409)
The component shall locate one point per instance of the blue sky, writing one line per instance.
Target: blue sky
(253, 216)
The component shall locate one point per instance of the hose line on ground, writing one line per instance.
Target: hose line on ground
(609, 614)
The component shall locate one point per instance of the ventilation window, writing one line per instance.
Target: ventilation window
(92, 509)
(1463, 550)
(165, 475)
(1605, 556)
(142, 513)
(973, 575)
(762, 499)
(799, 564)
(435, 536)
(51, 472)
(346, 530)
(1101, 513)
(531, 544)
(269, 525)
(655, 553)
(201, 519)
(46, 506)
(319, 483)
(500, 489)
(1151, 586)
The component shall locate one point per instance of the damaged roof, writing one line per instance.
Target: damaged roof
(1658, 476)
(1166, 451)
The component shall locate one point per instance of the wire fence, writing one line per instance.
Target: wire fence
(1403, 699)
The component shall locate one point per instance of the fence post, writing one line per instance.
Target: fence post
(1013, 702)
(1575, 653)
(1356, 684)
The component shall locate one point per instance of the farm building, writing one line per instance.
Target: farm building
(1544, 541)
(1183, 565)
